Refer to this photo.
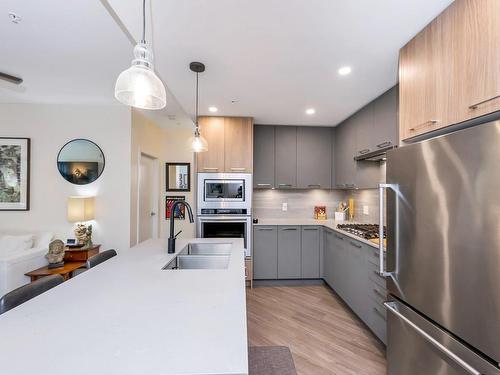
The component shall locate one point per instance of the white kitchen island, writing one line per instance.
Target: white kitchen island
(127, 316)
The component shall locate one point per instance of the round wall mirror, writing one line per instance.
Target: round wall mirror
(80, 161)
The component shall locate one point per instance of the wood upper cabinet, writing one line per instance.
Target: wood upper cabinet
(212, 129)
(450, 71)
(230, 145)
(238, 144)
(477, 40)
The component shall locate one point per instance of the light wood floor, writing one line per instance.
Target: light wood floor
(325, 337)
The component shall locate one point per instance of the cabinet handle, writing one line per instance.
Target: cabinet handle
(355, 244)
(287, 185)
(340, 186)
(364, 151)
(424, 124)
(350, 185)
(263, 184)
(310, 228)
(339, 237)
(474, 106)
(378, 292)
(314, 185)
(210, 169)
(329, 233)
(239, 169)
(264, 228)
(379, 313)
(384, 144)
(289, 228)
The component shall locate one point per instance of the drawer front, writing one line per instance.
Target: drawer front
(373, 274)
(373, 256)
(377, 293)
(79, 255)
(377, 321)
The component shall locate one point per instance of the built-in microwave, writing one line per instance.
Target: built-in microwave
(224, 190)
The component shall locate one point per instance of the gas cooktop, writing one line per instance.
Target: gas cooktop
(367, 231)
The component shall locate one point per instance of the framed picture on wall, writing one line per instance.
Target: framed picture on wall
(180, 211)
(14, 174)
(177, 176)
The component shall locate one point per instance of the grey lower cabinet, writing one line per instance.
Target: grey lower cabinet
(314, 161)
(310, 252)
(289, 252)
(265, 252)
(350, 268)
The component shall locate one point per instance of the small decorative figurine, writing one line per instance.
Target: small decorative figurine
(320, 212)
(83, 234)
(55, 255)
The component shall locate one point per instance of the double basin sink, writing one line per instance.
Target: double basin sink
(198, 256)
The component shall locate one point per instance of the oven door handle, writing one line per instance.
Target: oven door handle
(225, 218)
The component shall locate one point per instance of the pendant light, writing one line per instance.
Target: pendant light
(139, 86)
(197, 143)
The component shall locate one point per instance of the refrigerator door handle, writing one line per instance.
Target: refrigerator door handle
(392, 308)
(381, 190)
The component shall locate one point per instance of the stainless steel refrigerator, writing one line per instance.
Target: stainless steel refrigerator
(443, 254)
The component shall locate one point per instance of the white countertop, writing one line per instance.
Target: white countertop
(127, 316)
(330, 224)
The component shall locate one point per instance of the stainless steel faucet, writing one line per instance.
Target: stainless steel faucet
(171, 239)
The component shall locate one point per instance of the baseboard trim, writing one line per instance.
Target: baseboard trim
(288, 282)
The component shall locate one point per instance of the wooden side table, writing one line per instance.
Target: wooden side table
(65, 271)
(78, 254)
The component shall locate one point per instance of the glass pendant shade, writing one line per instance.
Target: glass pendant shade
(139, 86)
(197, 143)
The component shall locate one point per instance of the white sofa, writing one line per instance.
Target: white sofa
(18, 255)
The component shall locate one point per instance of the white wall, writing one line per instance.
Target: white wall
(50, 127)
(166, 145)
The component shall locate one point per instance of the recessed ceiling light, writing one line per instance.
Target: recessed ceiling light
(212, 109)
(310, 111)
(14, 18)
(345, 70)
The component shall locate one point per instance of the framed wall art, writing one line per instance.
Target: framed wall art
(14, 174)
(177, 176)
(180, 211)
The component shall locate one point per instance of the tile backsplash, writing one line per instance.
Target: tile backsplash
(300, 203)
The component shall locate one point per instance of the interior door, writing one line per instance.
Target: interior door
(147, 198)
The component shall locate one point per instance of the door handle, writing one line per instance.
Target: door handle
(384, 144)
(475, 105)
(264, 228)
(424, 124)
(285, 185)
(210, 168)
(289, 228)
(263, 184)
(391, 307)
(238, 169)
(314, 185)
(381, 190)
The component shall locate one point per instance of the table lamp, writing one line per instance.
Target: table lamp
(80, 210)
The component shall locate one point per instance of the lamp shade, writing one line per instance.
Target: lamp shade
(80, 209)
(139, 86)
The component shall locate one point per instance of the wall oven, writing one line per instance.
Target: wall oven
(225, 207)
(224, 190)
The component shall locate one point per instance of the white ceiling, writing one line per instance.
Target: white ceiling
(66, 52)
(276, 57)
(279, 57)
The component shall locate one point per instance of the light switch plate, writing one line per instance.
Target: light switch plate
(366, 210)
(284, 206)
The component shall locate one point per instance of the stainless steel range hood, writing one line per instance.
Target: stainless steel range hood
(376, 155)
